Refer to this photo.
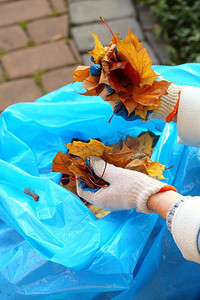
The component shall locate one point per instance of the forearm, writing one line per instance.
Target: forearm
(161, 202)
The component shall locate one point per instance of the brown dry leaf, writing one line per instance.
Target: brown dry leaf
(99, 51)
(142, 143)
(84, 150)
(90, 82)
(137, 165)
(61, 163)
(119, 159)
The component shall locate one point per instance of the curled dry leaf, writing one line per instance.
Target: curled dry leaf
(125, 66)
(32, 194)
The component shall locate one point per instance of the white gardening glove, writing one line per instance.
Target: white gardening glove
(127, 189)
(167, 110)
(168, 103)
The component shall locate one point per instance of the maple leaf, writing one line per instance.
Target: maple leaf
(143, 143)
(134, 40)
(154, 169)
(84, 150)
(140, 61)
(99, 51)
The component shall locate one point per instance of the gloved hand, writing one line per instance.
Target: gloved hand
(127, 189)
(169, 106)
(169, 103)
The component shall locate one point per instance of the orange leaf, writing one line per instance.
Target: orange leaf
(61, 163)
(140, 61)
(91, 82)
(81, 73)
(149, 95)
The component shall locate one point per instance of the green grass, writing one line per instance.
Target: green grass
(23, 25)
(37, 77)
(31, 43)
(66, 41)
(2, 53)
(5, 76)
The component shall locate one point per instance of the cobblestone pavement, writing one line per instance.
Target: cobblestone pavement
(42, 41)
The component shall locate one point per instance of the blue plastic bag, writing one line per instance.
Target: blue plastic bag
(57, 249)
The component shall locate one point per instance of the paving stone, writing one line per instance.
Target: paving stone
(145, 17)
(89, 11)
(75, 51)
(22, 90)
(24, 62)
(15, 12)
(54, 80)
(151, 53)
(12, 38)
(86, 59)
(159, 47)
(85, 41)
(59, 5)
(47, 29)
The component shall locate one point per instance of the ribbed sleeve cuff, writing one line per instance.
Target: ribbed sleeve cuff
(185, 227)
(168, 103)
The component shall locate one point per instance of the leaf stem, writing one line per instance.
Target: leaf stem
(102, 19)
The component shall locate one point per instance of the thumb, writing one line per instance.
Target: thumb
(103, 169)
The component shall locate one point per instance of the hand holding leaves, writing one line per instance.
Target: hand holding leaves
(74, 162)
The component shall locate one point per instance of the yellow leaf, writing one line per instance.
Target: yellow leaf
(142, 112)
(155, 169)
(134, 40)
(99, 51)
(84, 150)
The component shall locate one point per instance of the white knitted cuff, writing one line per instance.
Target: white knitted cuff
(185, 228)
(149, 187)
(168, 102)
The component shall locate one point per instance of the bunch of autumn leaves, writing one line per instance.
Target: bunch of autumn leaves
(125, 67)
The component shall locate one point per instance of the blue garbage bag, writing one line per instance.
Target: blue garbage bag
(56, 248)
